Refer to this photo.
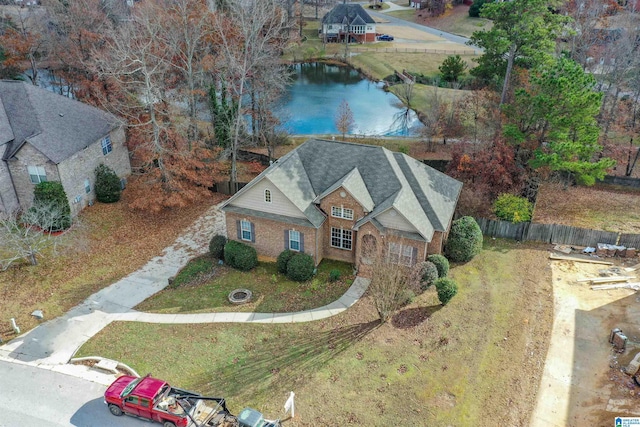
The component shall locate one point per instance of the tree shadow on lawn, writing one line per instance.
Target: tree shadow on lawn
(298, 356)
(412, 317)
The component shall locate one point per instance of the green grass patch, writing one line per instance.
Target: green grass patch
(382, 64)
(431, 365)
(206, 286)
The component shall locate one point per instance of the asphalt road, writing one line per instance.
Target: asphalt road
(401, 22)
(34, 397)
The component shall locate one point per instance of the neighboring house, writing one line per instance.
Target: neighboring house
(347, 202)
(348, 19)
(49, 137)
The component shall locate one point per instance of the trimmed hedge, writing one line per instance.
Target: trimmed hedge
(216, 246)
(428, 273)
(465, 240)
(51, 193)
(441, 263)
(107, 187)
(240, 256)
(447, 288)
(300, 267)
(283, 260)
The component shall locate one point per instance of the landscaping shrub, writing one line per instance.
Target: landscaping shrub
(441, 263)
(474, 9)
(300, 267)
(108, 188)
(283, 260)
(240, 256)
(51, 194)
(334, 275)
(513, 208)
(465, 240)
(428, 273)
(216, 246)
(447, 288)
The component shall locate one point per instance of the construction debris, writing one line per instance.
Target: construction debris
(633, 366)
(618, 340)
(562, 248)
(635, 286)
(606, 279)
(576, 259)
(632, 268)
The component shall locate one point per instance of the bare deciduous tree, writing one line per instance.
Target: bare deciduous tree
(252, 35)
(27, 236)
(344, 118)
(390, 283)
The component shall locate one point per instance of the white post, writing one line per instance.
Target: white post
(289, 405)
(14, 326)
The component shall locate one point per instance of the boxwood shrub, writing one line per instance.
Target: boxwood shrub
(441, 263)
(107, 187)
(283, 260)
(216, 246)
(428, 273)
(300, 267)
(465, 240)
(447, 288)
(240, 256)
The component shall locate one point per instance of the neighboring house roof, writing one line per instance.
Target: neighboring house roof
(376, 177)
(55, 125)
(348, 14)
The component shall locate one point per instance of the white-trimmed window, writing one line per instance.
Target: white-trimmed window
(87, 186)
(341, 238)
(37, 174)
(358, 29)
(402, 254)
(294, 240)
(340, 212)
(106, 145)
(267, 196)
(245, 227)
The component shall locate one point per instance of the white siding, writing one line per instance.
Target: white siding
(392, 219)
(254, 199)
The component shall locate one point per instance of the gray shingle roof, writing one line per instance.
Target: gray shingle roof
(375, 176)
(354, 14)
(57, 126)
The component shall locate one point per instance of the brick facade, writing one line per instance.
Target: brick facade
(340, 198)
(269, 236)
(71, 172)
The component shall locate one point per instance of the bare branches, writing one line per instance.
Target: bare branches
(27, 236)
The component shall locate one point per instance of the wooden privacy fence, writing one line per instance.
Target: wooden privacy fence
(555, 233)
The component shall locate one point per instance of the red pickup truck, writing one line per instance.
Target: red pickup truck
(154, 399)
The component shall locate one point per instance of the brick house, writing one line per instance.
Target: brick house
(49, 137)
(348, 19)
(343, 201)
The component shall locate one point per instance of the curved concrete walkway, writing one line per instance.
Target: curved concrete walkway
(52, 344)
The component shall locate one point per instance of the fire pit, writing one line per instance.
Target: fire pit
(240, 296)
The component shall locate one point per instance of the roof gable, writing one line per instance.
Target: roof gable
(56, 125)
(377, 178)
(350, 14)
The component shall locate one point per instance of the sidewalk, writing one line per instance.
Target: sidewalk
(52, 344)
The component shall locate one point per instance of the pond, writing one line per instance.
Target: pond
(311, 103)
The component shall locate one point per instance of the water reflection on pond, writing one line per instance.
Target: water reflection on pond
(312, 102)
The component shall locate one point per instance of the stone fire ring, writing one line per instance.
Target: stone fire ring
(240, 296)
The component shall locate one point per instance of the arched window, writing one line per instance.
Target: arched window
(267, 196)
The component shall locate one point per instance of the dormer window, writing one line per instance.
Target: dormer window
(341, 212)
(267, 196)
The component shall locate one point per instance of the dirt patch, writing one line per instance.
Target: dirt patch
(583, 383)
(601, 207)
(455, 20)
